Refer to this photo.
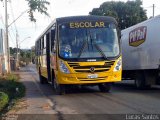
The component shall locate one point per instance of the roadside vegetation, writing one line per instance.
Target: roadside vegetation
(11, 90)
(126, 13)
(36, 6)
(25, 57)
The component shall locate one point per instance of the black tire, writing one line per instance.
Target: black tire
(52, 79)
(150, 78)
(140, 80)
(59, 89)
(105, 87)
(41, 78)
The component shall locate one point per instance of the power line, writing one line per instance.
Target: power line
(148, 7)
(4, 28)
(16, 30)
(2, 21)
(13, 15)
(153, 9)
(12, 39)
(13, 31)
(2, 3)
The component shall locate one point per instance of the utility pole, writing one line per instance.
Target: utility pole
(31, 55)
(6, 37)
(153, 9)
(17, 58)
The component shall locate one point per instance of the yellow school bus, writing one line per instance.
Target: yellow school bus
(79, 50)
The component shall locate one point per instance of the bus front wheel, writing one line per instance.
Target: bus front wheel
(59, 89)
(105, 87)
(41, 78)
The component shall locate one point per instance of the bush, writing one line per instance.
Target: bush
(11, 90)
(3, 100)
(12, 77)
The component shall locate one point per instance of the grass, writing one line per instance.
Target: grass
(3, 100)
(12, 89)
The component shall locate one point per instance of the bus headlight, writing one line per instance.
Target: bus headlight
(63, 67)
(118, 65)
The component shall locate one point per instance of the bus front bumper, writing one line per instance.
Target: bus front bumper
(84, 78)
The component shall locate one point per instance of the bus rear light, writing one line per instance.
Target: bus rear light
(63, 67)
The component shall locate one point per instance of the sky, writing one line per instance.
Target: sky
(29, 31)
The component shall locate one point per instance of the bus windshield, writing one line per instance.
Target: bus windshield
(88, 40)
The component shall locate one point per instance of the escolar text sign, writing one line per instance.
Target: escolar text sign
(87, 24)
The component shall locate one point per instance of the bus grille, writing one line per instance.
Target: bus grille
(97, 79)
(97, 68)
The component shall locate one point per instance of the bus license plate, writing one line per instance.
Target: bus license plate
(92, 76)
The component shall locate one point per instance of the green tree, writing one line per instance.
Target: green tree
(39, 5)
(22, 54)
(25, 56)
(13, 51)
(36, 5)
(126, 13)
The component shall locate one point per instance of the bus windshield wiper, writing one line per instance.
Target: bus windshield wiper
(84, 45)
(100, 51)
(81, 50)
(97, 47)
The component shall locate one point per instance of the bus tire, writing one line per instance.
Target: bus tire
(105, 87)
(52, 78)
(41, 78)
(59, 89)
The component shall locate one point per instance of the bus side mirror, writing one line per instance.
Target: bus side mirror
(119, 33)
(53, 51)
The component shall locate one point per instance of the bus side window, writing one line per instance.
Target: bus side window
(39, 50)
(44, 44)
(40, 47)
(52, 40)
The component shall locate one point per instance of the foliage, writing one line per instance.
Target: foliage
(127, 14)
(10, 85)
(25, 56)
(10, 77)
(3, 100)
(13, 51)
(39, 5)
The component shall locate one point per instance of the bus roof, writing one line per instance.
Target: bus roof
(78, 18)
(85, 18)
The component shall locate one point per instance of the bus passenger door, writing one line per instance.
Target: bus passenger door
(48, 37)
(53, 51)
